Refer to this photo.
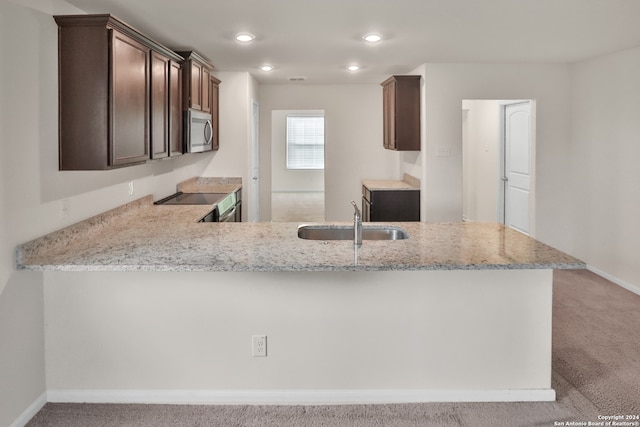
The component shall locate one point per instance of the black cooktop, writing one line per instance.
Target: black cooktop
(192, 199)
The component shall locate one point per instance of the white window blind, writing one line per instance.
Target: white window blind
(305, 142)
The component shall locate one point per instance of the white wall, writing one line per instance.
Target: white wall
(414, 163)
(21, 299)
(233, 158)
(283, 179)
(32, 189)
(602, 164)
(169, 332)
(587, 198)
(447, 85)
(353, 140)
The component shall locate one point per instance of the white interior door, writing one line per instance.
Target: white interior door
(517, 166)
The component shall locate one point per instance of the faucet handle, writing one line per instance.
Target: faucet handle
(355, 206)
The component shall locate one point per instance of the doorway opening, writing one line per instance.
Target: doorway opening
(498, 162)
(297, 165)
(254, 206)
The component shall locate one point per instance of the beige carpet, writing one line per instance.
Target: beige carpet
(297, 206)
(596, 371)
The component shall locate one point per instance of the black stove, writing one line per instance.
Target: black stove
(181, 198)
(226, 206)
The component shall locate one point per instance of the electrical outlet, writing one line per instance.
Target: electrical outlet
(131, 188)
(64, 208)
(259, 346)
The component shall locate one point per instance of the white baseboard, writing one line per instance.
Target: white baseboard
(31, 411)
(296, 397)
(628, 286)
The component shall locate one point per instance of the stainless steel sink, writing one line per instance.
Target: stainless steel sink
(345, 232)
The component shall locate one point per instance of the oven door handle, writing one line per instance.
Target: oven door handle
(229, 214)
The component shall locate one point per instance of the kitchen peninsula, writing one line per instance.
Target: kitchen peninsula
(141, 236)
(456, 312)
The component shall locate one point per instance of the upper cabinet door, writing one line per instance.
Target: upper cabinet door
(159, 106)
(401, 113)
(195, 95)
(206, 96)
(196, 83)
(175, 109)
(388, 107)
(214, 91)
(166, 107)
(130, 100)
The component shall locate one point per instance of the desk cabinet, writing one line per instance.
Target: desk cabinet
(390, 205)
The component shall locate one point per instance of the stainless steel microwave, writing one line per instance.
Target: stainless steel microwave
(198, 131)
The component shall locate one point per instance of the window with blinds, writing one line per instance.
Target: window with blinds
(305, 142)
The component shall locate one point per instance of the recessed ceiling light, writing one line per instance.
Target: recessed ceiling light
(266, 67)
(245, 37)
(372, 38)
(353, 67)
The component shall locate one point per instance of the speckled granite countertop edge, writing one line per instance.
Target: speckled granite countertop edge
(292, 269)
(140, 236)
(80, 230)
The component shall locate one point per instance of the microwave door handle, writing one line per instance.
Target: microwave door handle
(208, 132)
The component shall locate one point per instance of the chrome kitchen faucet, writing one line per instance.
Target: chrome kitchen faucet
(357, 225)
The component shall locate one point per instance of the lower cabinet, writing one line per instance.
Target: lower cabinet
(390, 205)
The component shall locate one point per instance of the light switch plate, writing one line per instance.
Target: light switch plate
(443, 151)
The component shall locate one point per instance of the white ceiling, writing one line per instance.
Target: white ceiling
(319, 38)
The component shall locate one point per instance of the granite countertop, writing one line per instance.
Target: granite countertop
(408, 182)
(141, 236)
(210, 185)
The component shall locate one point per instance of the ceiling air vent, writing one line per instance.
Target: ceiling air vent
(297, 79)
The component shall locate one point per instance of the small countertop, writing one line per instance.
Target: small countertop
(408, 183)
(210, 185)
(141, 236)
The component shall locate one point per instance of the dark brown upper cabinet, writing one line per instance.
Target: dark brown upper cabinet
(401, 113)
(196, 82)
(214, 96)
(166, 107)
(114, 93)
(175, 109)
